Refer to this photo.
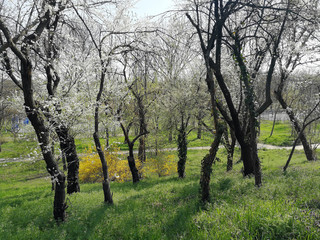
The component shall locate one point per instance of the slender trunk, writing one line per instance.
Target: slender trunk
(206, 166)
(274, 123)
(182, 150)
(132, 165)
(310, 155)
(107, 138)
(106, 181)
(291, 154)
(230, 148)
(170, 136)
(199, 133)
(142, 128)
(156, 136)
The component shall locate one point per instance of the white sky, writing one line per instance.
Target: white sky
(152, 7)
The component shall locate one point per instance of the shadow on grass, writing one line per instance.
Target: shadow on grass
(150, 212)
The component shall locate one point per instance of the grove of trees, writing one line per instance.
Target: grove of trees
(214, 65)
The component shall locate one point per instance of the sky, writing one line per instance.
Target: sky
(152, 7)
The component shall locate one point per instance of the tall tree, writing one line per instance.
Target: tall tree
(227, 32)
(298, 50)
(22, 45)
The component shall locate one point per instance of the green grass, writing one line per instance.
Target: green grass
(18, 148)
(286, 207)
(281, 135)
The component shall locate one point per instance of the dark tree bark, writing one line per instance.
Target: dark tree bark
(131, 161)
(106, 180)
(206, 166)
(107, 138)
(42, 132)
(68, 148)
(132, 165)
(182, 149)
(142, 126)
(199, 132)
(274, 122)
(230, 148)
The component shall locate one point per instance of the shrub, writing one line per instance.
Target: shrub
(90, 169)
(163, 165)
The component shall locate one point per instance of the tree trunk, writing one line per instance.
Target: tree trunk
(170, 135)
(106, 181)
(199, 133)
(247, 160)
(42, 132)
(306, 146)
(132, 165)
(142, 129)
(230, 148)
(68, 148)
(206, 166)
(142, 149)
(59, 198)
(274, 123)
(64, 163)
(182, 150)
(107, 138)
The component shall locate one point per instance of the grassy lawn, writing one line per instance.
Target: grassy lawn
(287, 206)
(281, 134)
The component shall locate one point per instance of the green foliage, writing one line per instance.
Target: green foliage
(285, 207)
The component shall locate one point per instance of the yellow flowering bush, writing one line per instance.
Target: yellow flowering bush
(163, 165)
(90, 169)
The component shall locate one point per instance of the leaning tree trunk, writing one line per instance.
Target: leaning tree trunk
(42, 133)
(132, 165)
(306, 146)
(68, 148)
(206, 166)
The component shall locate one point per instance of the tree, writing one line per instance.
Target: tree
(235, 32)
(300, 40)
(21, 46)
(105, 51)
